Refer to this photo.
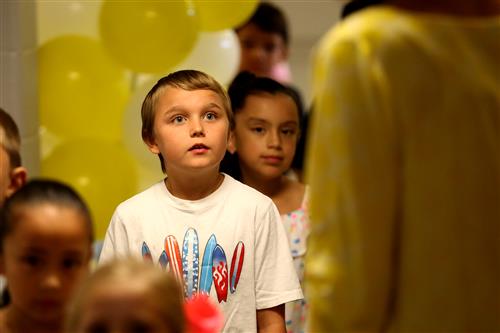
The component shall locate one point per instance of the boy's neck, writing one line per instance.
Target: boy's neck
(193, 187)
(13, 321)
(463, 8)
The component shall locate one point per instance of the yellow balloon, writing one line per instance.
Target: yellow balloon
(82, 92)
(102, 172)
(220, 15)
(76, 17)
(148, 36)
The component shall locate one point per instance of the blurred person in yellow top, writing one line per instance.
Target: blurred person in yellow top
(404, 169)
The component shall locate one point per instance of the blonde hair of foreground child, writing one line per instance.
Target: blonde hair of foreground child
(127, 295)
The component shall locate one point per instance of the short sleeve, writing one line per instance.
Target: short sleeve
(115, 241)
(275, 277)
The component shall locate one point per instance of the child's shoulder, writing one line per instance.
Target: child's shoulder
(142, 199)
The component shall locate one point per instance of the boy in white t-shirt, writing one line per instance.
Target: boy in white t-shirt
(218, 236)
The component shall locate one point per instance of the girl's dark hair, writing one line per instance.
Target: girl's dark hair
(37, 192)
(247, 84)
(269, 18)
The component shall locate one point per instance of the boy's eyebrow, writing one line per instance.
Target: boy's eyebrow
(179, 108)
(212, 104)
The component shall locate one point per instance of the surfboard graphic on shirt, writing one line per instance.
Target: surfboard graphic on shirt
(190, 262)
(146, 253)
(236, 265)
(174, 256)
(206, 266)
(163, 260)
(219, 273)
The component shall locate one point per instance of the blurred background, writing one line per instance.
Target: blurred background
(73, 74)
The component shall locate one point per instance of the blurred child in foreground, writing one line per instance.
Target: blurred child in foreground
(404, 170)
(45, 248)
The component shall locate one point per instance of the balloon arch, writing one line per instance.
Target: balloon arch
(96, 62)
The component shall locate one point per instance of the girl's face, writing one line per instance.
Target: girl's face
(44, 257)
(265, 135)
(122, 307)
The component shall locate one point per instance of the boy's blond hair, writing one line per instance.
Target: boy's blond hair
(187, 80)
(10, 139)
(161, 288)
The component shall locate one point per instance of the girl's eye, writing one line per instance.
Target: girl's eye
(288, 131)
(32, 260)
(258, 130)
(69, 263)
(211, 116)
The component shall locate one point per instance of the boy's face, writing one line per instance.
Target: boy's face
(191, 130)
(260, 50)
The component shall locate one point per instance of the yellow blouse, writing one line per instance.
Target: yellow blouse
(404, 169)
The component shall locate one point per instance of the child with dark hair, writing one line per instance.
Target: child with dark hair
(263, 40)
(260, 153)
(45, 247)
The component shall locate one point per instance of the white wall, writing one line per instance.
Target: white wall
(18, 80)
(308, 21)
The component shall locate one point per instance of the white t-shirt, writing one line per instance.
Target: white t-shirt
(230, 245)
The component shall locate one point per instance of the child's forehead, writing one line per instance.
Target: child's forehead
(269, 105)
(253, 30)
(183, 97)
(47, 211)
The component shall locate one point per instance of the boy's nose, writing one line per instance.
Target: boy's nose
(197, 129)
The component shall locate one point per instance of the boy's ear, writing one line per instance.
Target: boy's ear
(152, 146)
(231, 145)
(18, 177)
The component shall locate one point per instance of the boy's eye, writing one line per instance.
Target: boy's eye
(178, 119)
